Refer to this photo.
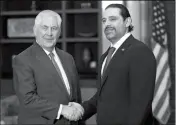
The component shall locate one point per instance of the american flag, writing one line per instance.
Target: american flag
(161, 101)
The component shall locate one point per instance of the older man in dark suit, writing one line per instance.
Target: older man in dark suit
(45, 77)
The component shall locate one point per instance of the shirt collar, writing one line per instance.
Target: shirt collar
(47, 52)
(121, 41)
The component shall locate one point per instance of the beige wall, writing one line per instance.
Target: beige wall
(134, 9)
(141, 19)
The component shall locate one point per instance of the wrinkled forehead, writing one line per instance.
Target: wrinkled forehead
(50, 20)
(111, 12)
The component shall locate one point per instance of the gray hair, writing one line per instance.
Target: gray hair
(38, 18)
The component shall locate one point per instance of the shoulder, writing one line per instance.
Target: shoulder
(139, 47)
(25, 55)
(139, 50)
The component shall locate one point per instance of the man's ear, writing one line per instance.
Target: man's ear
(128, 21)
(60, 30)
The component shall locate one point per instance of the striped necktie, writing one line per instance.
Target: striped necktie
(110, 52)
(51, 55)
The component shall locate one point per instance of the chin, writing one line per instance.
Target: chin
(48, 45)
(109, 38)
(49, 42)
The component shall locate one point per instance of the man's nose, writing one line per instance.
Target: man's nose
(49, 32)
(107, 23)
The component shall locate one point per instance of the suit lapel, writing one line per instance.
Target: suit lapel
(48, 65)
(100, 66)
(116, 56)
(101, 62)
(120, 52)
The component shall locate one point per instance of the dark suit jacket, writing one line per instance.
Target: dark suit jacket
(39, 86)
(125, 92)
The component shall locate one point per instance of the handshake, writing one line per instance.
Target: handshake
(73, 111)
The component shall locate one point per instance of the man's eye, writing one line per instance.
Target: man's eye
(103, 21)
(113, 19)
(44, 27)
(54, 28)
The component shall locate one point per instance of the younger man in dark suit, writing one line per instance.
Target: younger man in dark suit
(126, 75)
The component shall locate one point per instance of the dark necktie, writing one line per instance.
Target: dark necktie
(110, 52)
(51, 55)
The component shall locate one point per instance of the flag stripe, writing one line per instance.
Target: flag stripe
(160, 102)
(160, 56)
(167, 113)
(164, 107)
(161, 89)
(164, 112)
(158, 52)
(161, 64)
(160, 77)
(153, 45)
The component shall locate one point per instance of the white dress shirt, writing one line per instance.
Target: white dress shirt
(116, 46)
(64, 76)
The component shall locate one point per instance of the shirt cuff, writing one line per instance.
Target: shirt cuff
(59, 112)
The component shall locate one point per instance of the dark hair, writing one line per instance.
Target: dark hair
(124, 13)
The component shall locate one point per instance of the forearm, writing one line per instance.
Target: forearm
(90, 107)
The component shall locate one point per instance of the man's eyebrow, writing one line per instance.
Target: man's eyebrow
(44, 25)
(47, 26)
(112, 17)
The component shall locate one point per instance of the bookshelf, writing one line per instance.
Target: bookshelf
(81, 31)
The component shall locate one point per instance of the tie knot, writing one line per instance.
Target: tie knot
(51, 55)
(111, 50)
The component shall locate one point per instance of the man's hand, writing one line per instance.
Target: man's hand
(71, 113)
(77, 106)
